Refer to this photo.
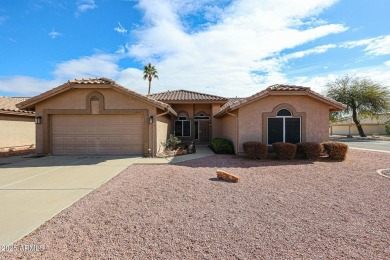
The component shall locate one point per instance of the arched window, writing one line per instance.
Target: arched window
(284, 127)
(283, 112)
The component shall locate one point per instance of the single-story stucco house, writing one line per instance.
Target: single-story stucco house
(99, 116)
(371, 126)
(17, 128)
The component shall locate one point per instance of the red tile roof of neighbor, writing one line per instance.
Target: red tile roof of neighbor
(284, 89)
(29, 104)
(8, 106)
(185, 95)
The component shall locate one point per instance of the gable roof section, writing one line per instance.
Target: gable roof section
(8, 106)
(186, 96)
(29, 104)
(282, 90)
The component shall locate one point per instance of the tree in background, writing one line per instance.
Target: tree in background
(363, 97)
(149, 73)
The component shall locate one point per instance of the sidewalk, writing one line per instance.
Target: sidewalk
(201, 151)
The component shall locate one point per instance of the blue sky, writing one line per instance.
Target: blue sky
(223, 47)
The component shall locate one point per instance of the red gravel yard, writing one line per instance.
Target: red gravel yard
(278, 210)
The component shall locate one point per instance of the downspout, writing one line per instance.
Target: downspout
(154, 129)
(230, 114)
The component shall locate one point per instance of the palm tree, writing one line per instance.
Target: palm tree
(149, 73)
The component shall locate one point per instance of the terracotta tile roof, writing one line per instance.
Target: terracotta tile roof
(231, 102)
(29, 104)
(8, 104)
(281, 87)
(185, 95)
(337, 106)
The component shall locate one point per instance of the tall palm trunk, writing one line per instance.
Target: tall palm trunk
(150, 84)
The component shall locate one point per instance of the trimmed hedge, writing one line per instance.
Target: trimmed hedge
(310, 150)
(255, 150)
(220, 145)
(285, 151)
(336, 150)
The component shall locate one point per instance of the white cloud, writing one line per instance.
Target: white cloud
(54, 34)
(387, 63)
(375, 46)
(100, 65)
(26, 86)
(85, 5)
(224, 54)
(120, 29)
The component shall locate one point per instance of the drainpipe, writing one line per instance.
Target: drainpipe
(154, 130)
(230, 114)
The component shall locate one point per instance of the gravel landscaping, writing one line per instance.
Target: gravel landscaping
(278, 210)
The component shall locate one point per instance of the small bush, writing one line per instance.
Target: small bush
(387, 128)
(255, 150)
(336, 150)
(220, 145)
(171, 143)
(285, 151)
(310, 150)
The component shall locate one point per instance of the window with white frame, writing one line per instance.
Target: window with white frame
(284, 128)
(183, 127)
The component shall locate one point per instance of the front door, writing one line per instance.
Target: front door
(202, 131)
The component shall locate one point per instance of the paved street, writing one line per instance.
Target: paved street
(371, 144)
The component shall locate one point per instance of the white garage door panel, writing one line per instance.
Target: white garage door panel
(97, 134)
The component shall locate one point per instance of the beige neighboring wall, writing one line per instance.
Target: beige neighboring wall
(163, 130)
(74, 101)
(16, 130)
(369, 129)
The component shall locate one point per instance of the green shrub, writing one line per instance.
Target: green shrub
(255, 150)
(171, 143)
(310, 150)
(220, 145)
(285, 151)
(387, 128)
(336, 150)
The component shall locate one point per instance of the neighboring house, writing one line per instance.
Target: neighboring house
(17, 128)
(371, 126)
(280, 113)
(98, 116)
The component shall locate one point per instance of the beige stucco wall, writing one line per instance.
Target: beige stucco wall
(216, 124)
(16, 131)
(163, 130)
(229, 128)
(251, 117)
(77, 99)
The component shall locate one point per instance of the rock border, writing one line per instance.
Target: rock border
(383, 174)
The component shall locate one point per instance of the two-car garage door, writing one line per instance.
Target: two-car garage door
(97, 134)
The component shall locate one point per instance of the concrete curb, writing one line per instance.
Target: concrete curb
(371, 150)
(381, 174)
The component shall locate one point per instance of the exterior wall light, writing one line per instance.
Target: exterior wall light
(38, 120)
(151, 120)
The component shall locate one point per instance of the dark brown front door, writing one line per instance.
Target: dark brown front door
(202, 131)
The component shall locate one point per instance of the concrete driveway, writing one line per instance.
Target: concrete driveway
(33, 190)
